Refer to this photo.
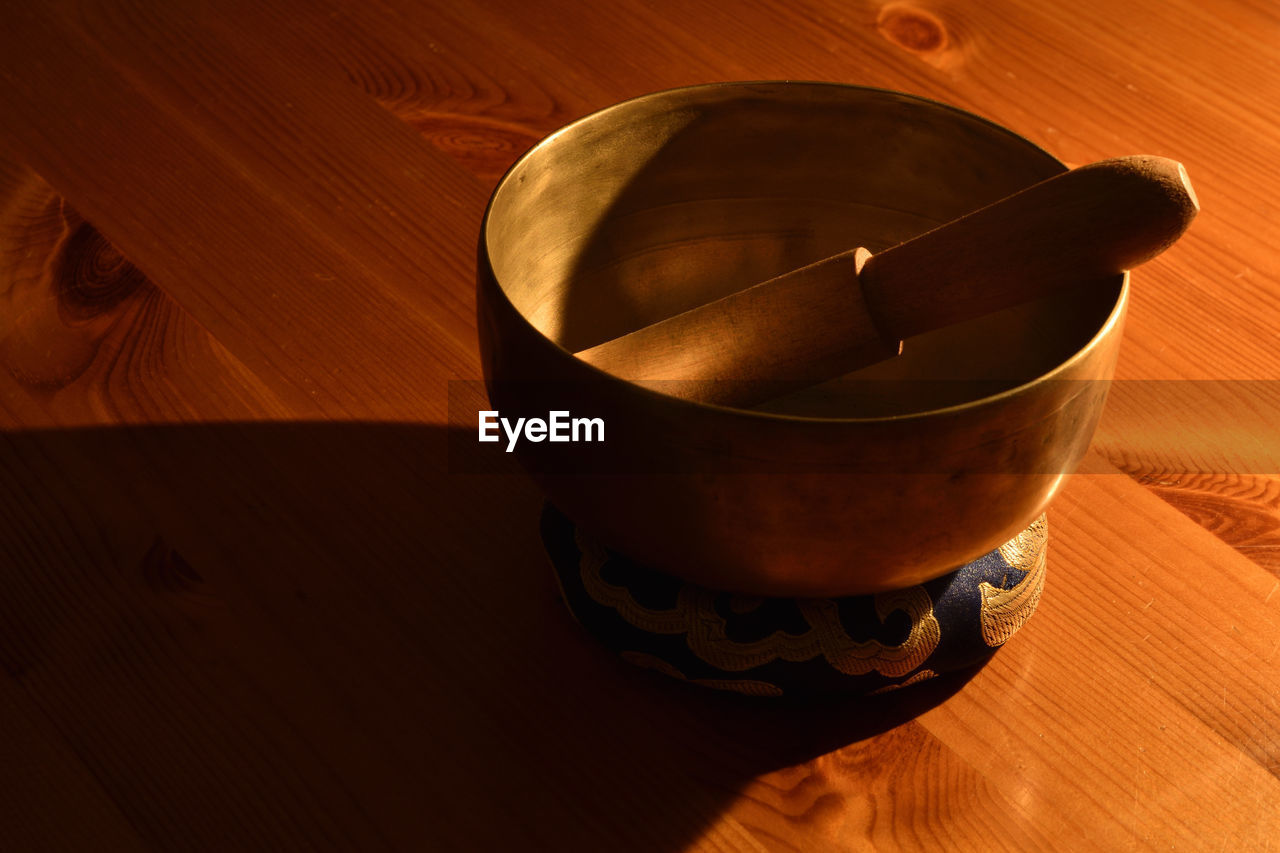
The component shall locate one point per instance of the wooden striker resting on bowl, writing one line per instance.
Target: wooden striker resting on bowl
(855, 308)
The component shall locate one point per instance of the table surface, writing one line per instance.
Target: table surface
(244, 604)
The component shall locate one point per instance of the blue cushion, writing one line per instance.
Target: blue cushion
(797, 646)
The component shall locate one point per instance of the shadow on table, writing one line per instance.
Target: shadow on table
(258, 634)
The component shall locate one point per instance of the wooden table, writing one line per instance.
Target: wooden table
(244, 604)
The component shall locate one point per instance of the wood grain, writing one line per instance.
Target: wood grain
(86, 338)
(1243, 511)
(245, 603)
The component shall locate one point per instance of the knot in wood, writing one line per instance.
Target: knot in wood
(91, 276)
(911, 28)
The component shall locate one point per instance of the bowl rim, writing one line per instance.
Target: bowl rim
(1114, 317)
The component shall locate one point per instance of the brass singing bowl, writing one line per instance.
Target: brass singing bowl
(891, 476)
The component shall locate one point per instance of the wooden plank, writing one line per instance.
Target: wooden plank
(1208, 448)
(242, 633)
(1117, 719)
(86, 338)
(34, 813)
(307, 677)
(906, 789)
(1125, 702)
(255, 634)
(473, 87)
(235, 205)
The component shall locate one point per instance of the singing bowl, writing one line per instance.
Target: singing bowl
(885, 478)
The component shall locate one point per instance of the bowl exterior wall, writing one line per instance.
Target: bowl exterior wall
(774, 505)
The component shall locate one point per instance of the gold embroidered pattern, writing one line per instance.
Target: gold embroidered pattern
(922, 675)
(1004, 611)
(694, 614)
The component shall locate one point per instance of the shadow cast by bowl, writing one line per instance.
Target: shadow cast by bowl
(314, 632)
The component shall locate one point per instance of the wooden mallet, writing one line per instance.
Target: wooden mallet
(853, 309)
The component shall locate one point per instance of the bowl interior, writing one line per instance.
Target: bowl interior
(663, 203)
